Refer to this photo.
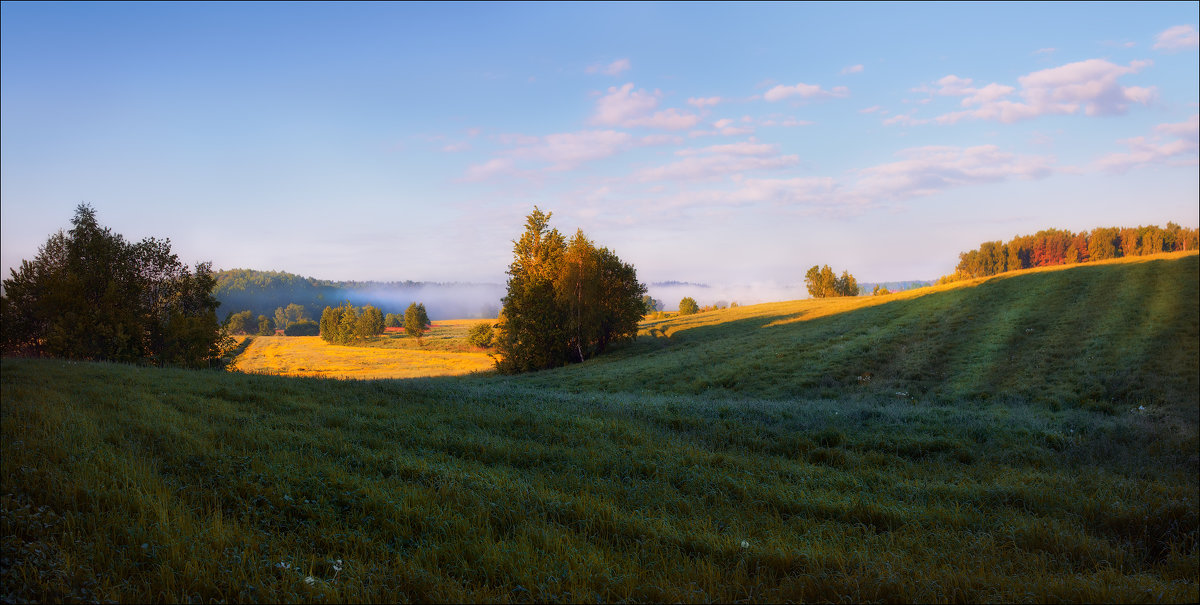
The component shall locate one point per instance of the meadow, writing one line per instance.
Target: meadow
(443, 351)
(1023, 438)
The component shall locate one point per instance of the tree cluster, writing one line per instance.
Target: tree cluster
(305, 327)
(291, 314)
(89, 294)
(822, 283)
(567, 301)
(348, 324)
(1058, 247)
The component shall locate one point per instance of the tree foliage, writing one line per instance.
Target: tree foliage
(688, 306)
(567, 301)
(480, 334)
(286, 316)
(305, 327)
(89, 294)
(416, 320)
(823, 283)
(1056, 247)
(266, 326)
(348, 324)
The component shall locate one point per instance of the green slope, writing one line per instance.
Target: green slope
(131, 484)
(1108, 336)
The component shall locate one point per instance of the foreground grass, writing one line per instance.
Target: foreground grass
(132, 484)
(995, 477)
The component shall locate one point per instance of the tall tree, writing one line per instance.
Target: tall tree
(416, 321)
(566, 301)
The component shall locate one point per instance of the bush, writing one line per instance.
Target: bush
(480, 334)
(302, 328)
(688, 306)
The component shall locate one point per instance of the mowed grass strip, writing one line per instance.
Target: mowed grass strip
(134, 484)
(612, 481)
(1110, 336)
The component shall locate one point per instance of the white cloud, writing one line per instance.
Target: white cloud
(1178, 37)
(872, 109)
(1090, 87)
(716, 160)
(1045, 51)
(804, 91)
(631, 108)
(741, 148)
(853, 69)
(1172, 144)
(928, 170)
(610, 69)
(702, 102)
(489, 169)
(566, 150)
(455, 147)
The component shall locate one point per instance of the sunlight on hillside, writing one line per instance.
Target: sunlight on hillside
(809, 309)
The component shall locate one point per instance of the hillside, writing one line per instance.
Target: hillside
(1106, 335)
(727, 456)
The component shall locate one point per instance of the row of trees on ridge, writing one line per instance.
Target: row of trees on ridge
(1058, 247)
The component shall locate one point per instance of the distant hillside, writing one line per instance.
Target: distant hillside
(1112, 334)
(261, 292)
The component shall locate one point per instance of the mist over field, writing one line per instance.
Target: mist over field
(443, 301)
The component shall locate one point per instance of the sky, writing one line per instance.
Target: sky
(734, 145)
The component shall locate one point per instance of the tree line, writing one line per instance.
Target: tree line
(90, 294)
(566, 301)
(822, 283)
(1057, 247)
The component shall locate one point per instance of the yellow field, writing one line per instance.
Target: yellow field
(311, 356)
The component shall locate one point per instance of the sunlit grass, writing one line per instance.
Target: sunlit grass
(756, 454)
(311, 356)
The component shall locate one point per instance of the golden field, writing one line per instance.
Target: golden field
(392, 355)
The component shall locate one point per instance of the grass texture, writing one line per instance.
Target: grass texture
(622, 479)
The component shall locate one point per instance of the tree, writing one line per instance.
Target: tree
(880, 290)
(266, 326)
(240, 323)
(391, 320)
(89, 294)
(688, 306)
(416, 321)
(566, 301)
(370, 323)
(286, 316)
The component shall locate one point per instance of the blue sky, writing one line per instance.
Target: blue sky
(731, 144)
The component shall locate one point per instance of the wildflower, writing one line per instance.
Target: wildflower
(284, 565)
(745, 544)
(309, 580)
(337, 566)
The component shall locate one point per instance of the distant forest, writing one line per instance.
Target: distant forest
(261, 292)
(1059, 247)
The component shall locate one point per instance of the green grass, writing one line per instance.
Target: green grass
(623, 479)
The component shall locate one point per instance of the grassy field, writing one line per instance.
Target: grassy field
(935, 446)
(443, 351)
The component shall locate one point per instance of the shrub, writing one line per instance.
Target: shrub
(302, 328)
(480, 334)
(688, 306)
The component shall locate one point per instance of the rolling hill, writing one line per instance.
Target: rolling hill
(1029, 437)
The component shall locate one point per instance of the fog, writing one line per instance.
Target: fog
(746, 294)
(442, 301)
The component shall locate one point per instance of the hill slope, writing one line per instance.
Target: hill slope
(1106, 335)
(131, 484)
